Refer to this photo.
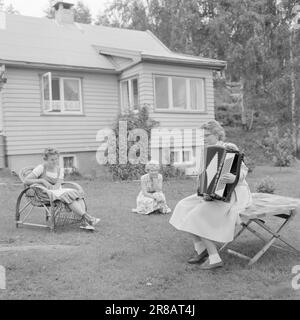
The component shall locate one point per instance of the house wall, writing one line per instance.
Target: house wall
(169, 120)
(1, 113)
(28, 131)
(2, 139)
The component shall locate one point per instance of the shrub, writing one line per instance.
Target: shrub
(139, 120)
(126, 171)
(279, 148)
(170, 171)
(250, 163)
(266, 185)
(228, 115)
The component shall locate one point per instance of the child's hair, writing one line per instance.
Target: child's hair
(215, 128)
(154, 165)
(50, 152)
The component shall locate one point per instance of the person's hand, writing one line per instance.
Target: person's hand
(158, 197)
(228, 178)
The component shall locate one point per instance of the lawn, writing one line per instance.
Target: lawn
(131, 256)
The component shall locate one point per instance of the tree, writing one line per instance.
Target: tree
(11, 10)
(82, 13)
(8, 9)
(129, 14)
(50, 11)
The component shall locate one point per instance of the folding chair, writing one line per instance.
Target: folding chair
(265, 206)
(30, 206)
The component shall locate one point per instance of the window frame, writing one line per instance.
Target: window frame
(181, 151)
(62, 101)
(61, 162)
(188, 94)
(130, 93)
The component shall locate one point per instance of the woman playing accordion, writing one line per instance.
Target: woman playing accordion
(212, 221)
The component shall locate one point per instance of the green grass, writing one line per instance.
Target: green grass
(128, 252)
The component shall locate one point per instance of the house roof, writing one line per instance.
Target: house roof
(31, 40)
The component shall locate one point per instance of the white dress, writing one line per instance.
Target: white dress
(146, 205)
(213, 220)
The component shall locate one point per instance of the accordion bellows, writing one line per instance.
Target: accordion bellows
(217, 162)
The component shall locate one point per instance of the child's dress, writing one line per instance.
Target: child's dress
(146, 205)
(65, 195)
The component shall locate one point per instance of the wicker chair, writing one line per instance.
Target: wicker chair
(30, 206)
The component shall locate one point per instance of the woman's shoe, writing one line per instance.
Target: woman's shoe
(197, 258)
(86, 226)
(95, 221)
(209, 266)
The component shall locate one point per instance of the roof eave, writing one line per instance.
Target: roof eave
(37, 65)
(218, 65)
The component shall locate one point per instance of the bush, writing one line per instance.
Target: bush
(229, 115)
(139, 120)
(250, 163)
(170, 171)
(279, 148)
(266, 185)
(127, 171)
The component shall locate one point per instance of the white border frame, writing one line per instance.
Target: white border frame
(61, 161)
(181, 150)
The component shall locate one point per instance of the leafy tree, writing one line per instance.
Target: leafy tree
(82, 13)
(8, 9)
(11, 10)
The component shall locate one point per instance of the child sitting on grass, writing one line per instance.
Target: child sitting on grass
(151, 198)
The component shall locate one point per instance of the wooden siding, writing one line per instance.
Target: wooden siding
(28, 131)
(1, 113)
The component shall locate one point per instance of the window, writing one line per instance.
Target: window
(68, 162)
(61, 95)
(181, 156)
(130, 94)
(197, 93)
(179, 93)
(161, 92)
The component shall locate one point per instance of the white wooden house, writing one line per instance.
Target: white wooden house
(66, 81)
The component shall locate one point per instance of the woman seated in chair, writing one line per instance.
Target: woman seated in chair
(151, 198)
(212, 221)
(50, 176)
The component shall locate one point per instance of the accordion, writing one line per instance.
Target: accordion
(217, 162)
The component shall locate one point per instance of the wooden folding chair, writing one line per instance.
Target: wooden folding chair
(29, 206)
(265, 206)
